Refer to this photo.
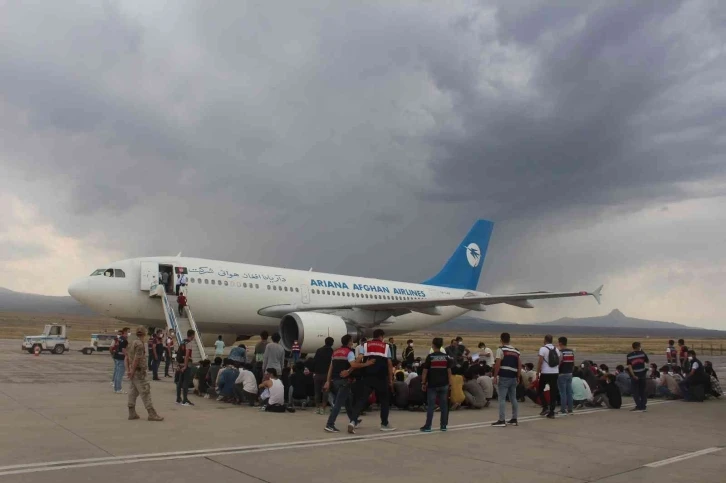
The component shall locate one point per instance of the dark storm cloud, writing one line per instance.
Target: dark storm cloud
(584, 140)
(363, 138)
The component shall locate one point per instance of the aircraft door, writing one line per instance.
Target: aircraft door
(149, 275)
(305, 294)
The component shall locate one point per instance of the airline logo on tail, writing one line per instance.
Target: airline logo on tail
(473, 254)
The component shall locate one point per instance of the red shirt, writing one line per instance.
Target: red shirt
(181, 300)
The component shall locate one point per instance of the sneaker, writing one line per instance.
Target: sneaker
(187, 403)
(563, 413)
(551, 415)
(425, 429)
(513, 422)
(544, 412)
(120, 392)
(387, 427)
(351, 427)
(358, 422)
(569, 412)
(643, 410)
(634, 410)
(332, 429)
(500, 424)
(178, 401)
(443, 428)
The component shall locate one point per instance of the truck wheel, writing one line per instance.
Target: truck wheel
(59, 349)
(87, 351)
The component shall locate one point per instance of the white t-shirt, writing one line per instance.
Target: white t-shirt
(545, 352)
(277, 393)
(219, 347)
(488, 356)
(694, 365)
(248, 380)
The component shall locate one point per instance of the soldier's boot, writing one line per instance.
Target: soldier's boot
(153, 416)
(132, 413)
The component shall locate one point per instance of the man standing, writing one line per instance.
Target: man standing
(435, 382)
(378, 378)
(671, 353)
(682, 354)
(295, 351)
(564, 381)
(260, 354)
(486, 356)
(394, 350)
(548, 373)
(137, 376)
(638, 369)
(157, 348)
(181, 282)
(219, 347)
(184, 357)
(408, 354)
(338, 379)
(169, 345)
(274, 356)
(119, 359)
(321, 367)
(164, 278)
(507, 373)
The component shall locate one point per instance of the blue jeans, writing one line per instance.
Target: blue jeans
(507, 386)
(442, 392)
(341, 388)
(295, 357)
(638, 389)
(564, 384)
(118, 374)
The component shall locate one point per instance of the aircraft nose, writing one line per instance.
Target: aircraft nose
(79, 289)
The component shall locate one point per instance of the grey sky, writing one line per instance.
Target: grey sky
(365, 138)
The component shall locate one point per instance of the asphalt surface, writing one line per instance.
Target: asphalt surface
(59, 419)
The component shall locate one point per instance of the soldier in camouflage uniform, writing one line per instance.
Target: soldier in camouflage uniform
(137, 375)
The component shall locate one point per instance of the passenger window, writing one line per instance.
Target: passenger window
(257, 285)
(285, 289)
(269, 288)
(297, 289)
(225, 283)
(191, 280)
(244, 285)
(206, 281)
(118, 273)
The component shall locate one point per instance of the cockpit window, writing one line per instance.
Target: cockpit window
(118, 273)
(98, 272)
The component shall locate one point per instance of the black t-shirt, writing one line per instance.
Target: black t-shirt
(438, 365)
(122, 344)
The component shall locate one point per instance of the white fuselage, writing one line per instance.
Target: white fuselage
(225, 297)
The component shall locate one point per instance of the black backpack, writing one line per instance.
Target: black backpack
(181, 353)
(553, 358)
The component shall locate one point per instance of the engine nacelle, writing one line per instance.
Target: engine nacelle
(311, 328)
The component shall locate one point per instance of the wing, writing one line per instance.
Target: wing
(470, 301)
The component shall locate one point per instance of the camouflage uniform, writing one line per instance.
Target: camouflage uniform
(139, 384)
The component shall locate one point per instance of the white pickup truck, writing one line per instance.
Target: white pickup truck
(54, 339)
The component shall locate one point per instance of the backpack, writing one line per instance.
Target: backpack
(553, 359)
(181, 353)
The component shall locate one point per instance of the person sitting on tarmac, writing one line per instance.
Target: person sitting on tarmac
(201, 378)
(416, 396)
(608, 393)
(485, 381)
(456, 391)
(276, 401)
(474, 394)
(227, 378)
(667, 385)
(212, 378)
(400, 391)
(581, 393)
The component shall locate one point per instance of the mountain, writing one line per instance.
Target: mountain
(26, 302)
(469, 324)
(615, 319)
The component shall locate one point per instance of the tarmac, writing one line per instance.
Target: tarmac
(59, 419)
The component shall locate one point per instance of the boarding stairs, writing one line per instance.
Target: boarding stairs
(179, 325)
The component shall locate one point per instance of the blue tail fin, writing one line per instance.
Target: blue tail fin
(463, 268)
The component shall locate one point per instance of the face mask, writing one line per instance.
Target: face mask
(410, 345)
(690, 358)
(461, 343)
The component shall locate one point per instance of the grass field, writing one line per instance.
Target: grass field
(15, 326)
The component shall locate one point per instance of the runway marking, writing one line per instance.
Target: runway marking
(260, 448)
(682, 457)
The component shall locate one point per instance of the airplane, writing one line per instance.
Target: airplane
(239, 300)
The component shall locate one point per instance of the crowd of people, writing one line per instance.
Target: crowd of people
(359, 378)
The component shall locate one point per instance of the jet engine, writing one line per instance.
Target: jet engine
(310, 329)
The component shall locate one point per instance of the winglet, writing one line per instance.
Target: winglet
(596, 294)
